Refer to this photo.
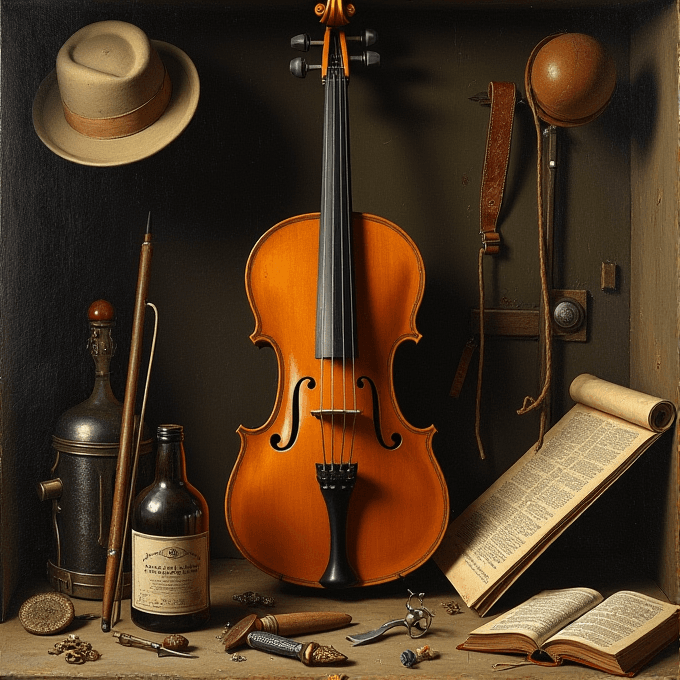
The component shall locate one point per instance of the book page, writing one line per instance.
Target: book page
(488, 546)
(617, 622)
(544, 614)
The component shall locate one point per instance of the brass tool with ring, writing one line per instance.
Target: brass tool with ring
(417, 621)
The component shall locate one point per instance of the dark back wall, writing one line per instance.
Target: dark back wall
(252, 157)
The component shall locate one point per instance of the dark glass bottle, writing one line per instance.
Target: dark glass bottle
(170, 553)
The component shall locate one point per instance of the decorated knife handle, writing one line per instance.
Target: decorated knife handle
(274, 644)
(310, 653)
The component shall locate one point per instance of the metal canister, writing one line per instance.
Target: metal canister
(86, 440)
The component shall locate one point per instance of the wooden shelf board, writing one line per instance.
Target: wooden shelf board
(25, 656)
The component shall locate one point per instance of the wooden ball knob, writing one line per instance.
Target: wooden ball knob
(100, 310)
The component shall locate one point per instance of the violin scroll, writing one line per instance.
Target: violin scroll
(333, 14)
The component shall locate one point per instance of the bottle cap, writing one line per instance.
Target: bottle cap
(170, 433)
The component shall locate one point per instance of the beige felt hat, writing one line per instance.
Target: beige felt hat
(115, 96)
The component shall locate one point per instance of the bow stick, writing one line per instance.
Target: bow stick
(126, 455)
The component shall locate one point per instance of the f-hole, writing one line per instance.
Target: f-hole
(275, 439)
(395, 436)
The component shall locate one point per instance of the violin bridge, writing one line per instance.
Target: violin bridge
(323, 412)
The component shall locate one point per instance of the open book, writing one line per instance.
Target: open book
(618, 635)
(487, 548)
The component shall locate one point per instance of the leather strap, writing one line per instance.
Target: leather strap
(502, 97)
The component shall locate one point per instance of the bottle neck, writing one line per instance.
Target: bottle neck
(170, 462)
(101, 391)
(102, 348)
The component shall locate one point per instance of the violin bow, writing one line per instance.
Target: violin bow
(122, 487)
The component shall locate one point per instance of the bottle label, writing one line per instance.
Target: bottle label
(170, 574)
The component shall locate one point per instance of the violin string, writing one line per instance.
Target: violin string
(341, 137)
(348, 203)
(321, 359)
(322, 332)
(332, 316)
(336, 147)
(328, 306)
(350, 410)
(322, 385)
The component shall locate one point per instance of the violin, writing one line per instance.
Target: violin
(336, 489)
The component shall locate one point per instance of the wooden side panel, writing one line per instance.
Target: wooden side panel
(654, 332)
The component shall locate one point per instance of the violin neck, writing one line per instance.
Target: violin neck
(336, 309)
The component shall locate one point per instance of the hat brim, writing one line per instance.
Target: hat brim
(52, 128)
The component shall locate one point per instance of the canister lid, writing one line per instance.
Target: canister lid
(91, 422)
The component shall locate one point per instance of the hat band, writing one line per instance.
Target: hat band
(126, 124)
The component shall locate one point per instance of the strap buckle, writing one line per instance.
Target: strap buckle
(491, 242)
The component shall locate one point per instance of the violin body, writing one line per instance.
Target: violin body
(399, 507)
(336, 489)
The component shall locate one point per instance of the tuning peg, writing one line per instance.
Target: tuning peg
(299, 67)
(302, 42)
(367, 38)
(368, 58)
